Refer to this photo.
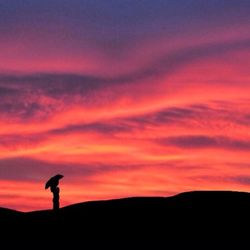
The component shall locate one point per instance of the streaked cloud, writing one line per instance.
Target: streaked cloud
(125, 98)
(201, 141)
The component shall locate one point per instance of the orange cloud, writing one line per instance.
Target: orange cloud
(135, 115)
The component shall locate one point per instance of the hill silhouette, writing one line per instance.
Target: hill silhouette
(190, 217)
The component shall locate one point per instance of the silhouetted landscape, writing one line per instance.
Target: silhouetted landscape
(191, 216)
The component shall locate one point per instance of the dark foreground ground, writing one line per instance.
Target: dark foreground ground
(188, 219)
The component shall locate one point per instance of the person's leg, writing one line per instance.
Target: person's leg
(55, 204)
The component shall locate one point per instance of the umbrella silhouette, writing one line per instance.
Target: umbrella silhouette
(53, 181)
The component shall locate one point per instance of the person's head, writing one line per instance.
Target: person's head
(54, 189)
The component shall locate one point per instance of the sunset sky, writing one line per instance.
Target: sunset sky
(123, 97)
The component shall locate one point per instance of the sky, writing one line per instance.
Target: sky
(123, 97)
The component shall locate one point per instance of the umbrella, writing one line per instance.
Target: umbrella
(53, 181)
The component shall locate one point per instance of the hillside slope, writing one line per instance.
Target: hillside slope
(192, 216)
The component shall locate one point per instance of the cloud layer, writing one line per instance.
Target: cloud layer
(125, 98)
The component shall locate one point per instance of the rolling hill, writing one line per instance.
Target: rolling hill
(197, 216)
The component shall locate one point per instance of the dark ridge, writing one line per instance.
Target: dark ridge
(205, 216)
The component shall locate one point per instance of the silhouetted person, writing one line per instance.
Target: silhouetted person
(53, 183)
(56, 197)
